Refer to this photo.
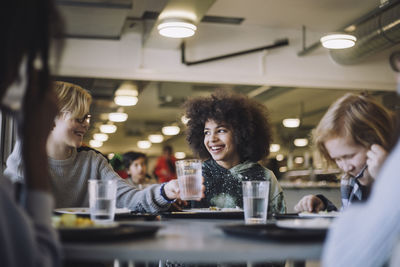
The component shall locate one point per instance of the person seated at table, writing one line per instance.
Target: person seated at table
(356, 134)
(27, 237)
(71, 166)
(136, 166)
(231, 133)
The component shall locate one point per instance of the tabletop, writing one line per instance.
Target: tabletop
(194, 240)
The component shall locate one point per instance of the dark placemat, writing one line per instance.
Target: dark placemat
(273, 232)
(112, 233)
(204, 215)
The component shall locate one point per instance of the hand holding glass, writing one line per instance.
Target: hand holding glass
(189, 179)
(255, 201)
(102, 195)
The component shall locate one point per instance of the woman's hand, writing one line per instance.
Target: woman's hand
(309, 203)
(375, 158)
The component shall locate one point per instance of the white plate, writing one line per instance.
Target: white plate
(321, 214)
(316, 223)
(86, 211)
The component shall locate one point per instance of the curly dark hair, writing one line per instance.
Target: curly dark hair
(248, 118)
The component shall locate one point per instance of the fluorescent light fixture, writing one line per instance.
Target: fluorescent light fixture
(291, 122)
(280, 157)
(126, 95)
(300, 142)
(274, 147)
(170, 130)
(283, 169)
(180, 155)
(184, 119)
(298, 160)
(100, 137)
(95, 143)
(117, 116)
(108, 128)
(338, 41)
(176, 28)
(156, 138)
(144, 144)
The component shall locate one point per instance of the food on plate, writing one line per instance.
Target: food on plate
(71, 220)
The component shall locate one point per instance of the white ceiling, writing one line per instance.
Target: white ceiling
(93, 19)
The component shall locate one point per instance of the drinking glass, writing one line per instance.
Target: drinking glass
(102, 196)
(255, 201)
(189, 178)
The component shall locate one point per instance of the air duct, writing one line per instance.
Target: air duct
(377, 32)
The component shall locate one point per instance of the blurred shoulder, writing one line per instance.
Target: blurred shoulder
(88, 151)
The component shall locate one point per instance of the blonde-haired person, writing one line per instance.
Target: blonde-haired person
(356, 134)
(72, 165)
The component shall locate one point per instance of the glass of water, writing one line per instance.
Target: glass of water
(255, 201)
(189, 179)
(102, 195)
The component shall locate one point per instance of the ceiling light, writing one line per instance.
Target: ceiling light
(95, 143)
(108, 128)
(280, 157)
(117, 116)
(300, 142)
(144, 144)
(126, 95)
(156, 138)
(298, 160)
(283, 169)
(338, 41)
(274, 147)
(170, 130)
(291, 122)
(180, 155)
(100, 137)
(176, 28)
(110, 156)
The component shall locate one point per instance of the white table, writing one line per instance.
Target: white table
(187, 240)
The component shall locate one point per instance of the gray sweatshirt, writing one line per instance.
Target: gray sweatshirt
(70, 181)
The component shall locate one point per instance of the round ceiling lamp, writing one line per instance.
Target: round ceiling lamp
(108, 128)
(170, 130)
(156, 138)
(274, 148)
(100, 137)
(117, 116)
(144, 144)
(126, 95)
(291, 122)
(180, 155)
(300, 142)
(338, 41)
(95, 143)
(176, 28)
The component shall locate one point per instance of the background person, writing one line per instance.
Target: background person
(27, 236)
(72, 166)
(354, 133)
(136, 166)
(165, 169)
(231, 133)
(365, 234)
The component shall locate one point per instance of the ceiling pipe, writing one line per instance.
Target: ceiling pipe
(276, 44)
(374, 34)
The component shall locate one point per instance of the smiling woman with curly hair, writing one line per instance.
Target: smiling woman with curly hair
(231, 133)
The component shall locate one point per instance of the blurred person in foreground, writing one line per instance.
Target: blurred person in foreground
(165, 169)
(27, 237)
(356, 134)
(231, 133)
(136, 166)
(365, 234)
(72, 165)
